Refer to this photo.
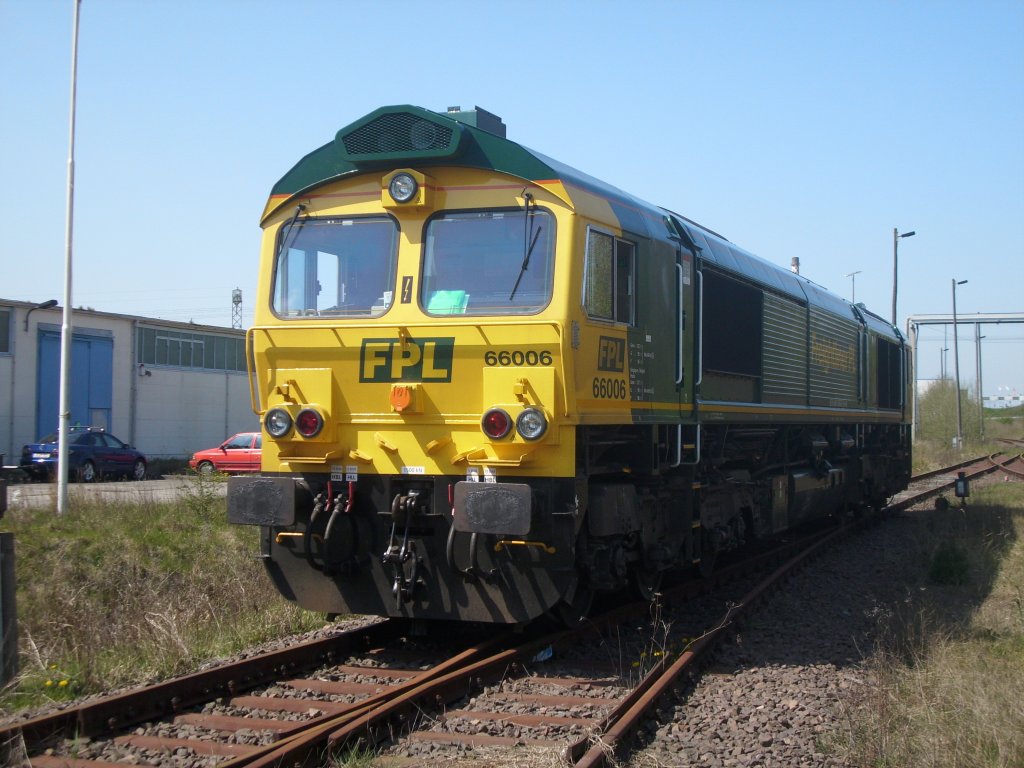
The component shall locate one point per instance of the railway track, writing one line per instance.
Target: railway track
(1015, 466)
(580, 694)
(934, 483)
(577, 692)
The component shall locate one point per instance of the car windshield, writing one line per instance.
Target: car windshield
(336, 267)
(488, 263)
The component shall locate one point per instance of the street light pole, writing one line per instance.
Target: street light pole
(981, 392)
(896, 237)
(66, 330)
(956, 369)
(853, 285)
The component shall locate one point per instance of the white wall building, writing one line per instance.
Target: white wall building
(167, 388)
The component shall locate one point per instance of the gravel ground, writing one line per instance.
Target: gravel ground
(778, 694)
(780, 691)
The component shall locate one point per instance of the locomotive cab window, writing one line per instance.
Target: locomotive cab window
(608, 285)
(336, 267)
(488, 263)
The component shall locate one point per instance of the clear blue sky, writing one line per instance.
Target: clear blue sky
(806, 129)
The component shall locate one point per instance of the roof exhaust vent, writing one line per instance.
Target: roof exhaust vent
(478, 118)
(399, 134)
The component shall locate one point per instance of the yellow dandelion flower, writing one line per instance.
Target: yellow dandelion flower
(48, 683)
(63, 683)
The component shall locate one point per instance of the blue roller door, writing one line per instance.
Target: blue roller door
(90, 385)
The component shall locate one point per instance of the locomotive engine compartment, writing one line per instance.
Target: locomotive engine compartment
(492, 386)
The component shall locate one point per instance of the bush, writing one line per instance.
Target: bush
(949, 565)
(937, 414)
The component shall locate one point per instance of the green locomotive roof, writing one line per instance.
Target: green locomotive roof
(408, 135)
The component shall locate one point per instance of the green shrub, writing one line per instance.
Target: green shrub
(949, 565)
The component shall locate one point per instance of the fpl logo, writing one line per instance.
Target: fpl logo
(611, 354)
(411, 360)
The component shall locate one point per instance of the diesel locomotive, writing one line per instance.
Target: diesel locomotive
(492, 386)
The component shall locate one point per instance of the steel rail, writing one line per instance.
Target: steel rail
(315, 734)
(1006, 465)
(945, 470)
(928, 493)
(370, 721)
(664, 676)
(596, 749)
(111, 713)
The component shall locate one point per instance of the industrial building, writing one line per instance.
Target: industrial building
(168, 388)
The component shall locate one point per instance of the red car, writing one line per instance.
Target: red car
(240, 453)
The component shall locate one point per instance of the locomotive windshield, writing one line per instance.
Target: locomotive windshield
(488, 263)
(336, 267)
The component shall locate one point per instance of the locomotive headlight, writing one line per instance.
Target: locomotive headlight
(309, 422)
(278, 422)
(531, 424)
(403, 188)
(496, 423)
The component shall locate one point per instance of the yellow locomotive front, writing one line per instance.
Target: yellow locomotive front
(408, 360)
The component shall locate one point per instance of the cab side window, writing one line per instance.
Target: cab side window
(608, 287)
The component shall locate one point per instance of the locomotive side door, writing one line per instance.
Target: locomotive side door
(685, 437)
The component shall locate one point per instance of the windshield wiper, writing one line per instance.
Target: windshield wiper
(528, 243)
(288, 229)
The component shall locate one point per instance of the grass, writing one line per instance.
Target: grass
(933, 446)
(950, 669)
(114, 595)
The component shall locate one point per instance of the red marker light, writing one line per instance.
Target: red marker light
(496, 423)
(309, 423)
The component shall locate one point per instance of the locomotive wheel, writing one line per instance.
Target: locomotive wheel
(572, 612)
(708, 554)
(646, 583)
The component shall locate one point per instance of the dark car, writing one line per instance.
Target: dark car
(92, 453)
(239, 453)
